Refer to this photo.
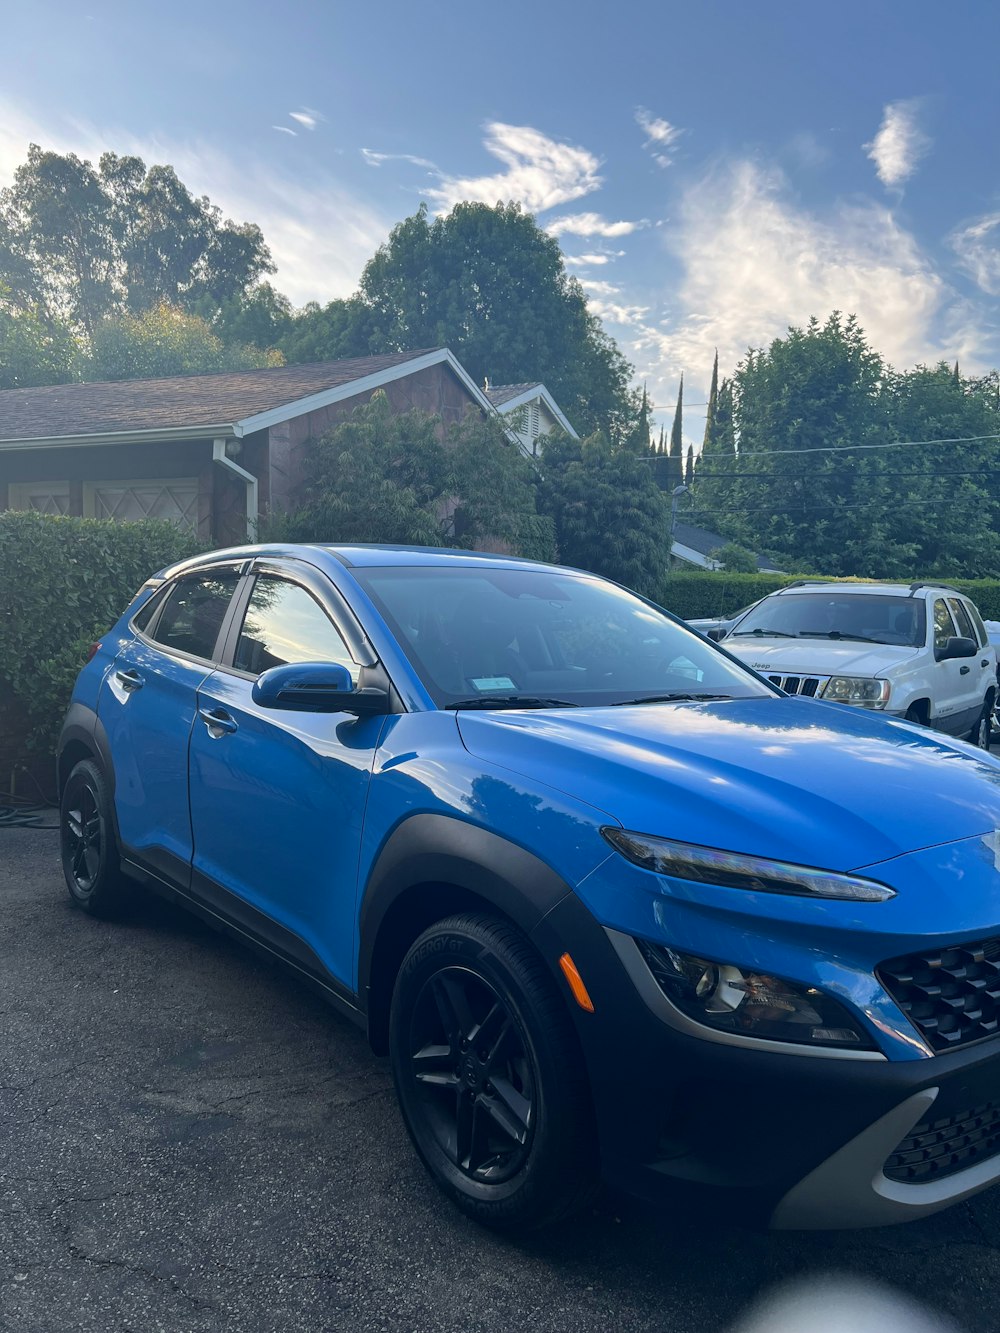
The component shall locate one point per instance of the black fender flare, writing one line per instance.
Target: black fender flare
(441, 850)
(83, 727)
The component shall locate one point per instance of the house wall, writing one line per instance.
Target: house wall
(435, 390)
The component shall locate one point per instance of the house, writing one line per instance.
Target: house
(694, 546)
(212, 453)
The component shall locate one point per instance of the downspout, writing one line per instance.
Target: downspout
(220, 456)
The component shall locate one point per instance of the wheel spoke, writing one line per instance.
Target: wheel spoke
(452, 1006)
(92, 860)
(435, 1064)
(74, 822)
(465, 1120)
(509, 1108)
(490, 1035)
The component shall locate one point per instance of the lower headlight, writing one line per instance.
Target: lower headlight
(752, 1004)
(857, 690)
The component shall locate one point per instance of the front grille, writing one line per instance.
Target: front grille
(808, 685)
(942, 1147)
(950, 995)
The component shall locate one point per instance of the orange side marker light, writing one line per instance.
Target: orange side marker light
(576, 985)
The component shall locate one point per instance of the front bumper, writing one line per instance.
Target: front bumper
(787, 1140)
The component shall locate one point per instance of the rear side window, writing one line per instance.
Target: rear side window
(283, 624)
(193, 613)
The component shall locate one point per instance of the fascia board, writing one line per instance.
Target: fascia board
(368, 384)
(225, 431)
(692, 556)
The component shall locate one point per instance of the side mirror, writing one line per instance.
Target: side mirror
(316, 687)
(956, 647)
(715, 634)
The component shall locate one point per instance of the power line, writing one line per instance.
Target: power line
(855, 448)
(813, 476)
(874, 504)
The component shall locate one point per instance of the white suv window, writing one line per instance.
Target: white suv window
(944, 626)
(965, 626)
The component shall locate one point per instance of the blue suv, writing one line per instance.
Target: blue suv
(612, 904)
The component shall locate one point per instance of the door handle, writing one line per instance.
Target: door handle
(129, 680)
(218, 721)
(985, 662)
(964, 671)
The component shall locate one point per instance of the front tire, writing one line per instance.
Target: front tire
(90, 858)
(982, 732)
(490, 1077)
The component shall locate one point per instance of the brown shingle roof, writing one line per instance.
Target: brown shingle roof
(183, 401)
(498, 394)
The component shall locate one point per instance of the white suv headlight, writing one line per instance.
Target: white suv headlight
(857, 690)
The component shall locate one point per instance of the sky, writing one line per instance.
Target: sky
(714, 171)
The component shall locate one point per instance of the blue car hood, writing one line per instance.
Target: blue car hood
(794, 779)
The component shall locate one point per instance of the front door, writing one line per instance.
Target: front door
(278, 798)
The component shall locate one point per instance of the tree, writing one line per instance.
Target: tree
(675, 469)
(608, 512)
(735, 559)
(491, 285)
(32, 350)
(689, 466)
(88, 244)
(392, 477)
(638, 439)
(165, 341)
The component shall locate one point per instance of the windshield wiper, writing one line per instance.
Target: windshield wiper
(835, 634)
(761, 634)
(511, 701)
(676, 697)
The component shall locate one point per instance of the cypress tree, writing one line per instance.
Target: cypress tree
(689, 470)
(708, 444)
(675, 471)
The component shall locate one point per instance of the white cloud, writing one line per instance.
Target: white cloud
(306, 118)
(600, 288)
(899, 144)
(321, 233)
(660, 136)
(615, 312)
(540, 172)
(592, 224)
(978, 248)
(599, 257)
(283, 129)
(376, 159)
(753, 261)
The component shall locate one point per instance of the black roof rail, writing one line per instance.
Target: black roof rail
(803, 583)
(915, 587)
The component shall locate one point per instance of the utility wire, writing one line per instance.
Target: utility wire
(791, 476)
(855, 448)
(794, 509)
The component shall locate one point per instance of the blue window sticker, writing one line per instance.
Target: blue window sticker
(493, 683)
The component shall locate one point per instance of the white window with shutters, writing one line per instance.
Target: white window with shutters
(44, 497)
(174, 500)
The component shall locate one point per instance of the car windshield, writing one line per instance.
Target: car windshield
(487, 637)
(897, 620)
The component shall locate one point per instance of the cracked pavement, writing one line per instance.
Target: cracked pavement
(192, 1142)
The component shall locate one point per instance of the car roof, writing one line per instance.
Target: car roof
(867, 589)
(365, 555)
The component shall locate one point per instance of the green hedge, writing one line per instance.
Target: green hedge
(694, 593)
(63, 581)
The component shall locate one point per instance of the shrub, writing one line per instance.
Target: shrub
(63, 581)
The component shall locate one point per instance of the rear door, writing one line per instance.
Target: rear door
(278, 798)
(951, 679)
(978, 676)
(147, 706)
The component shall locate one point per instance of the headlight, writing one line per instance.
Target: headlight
(857, 690)
(732, 870)
(752, 1004)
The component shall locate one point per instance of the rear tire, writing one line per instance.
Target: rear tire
(490, 1076)
(90, 858)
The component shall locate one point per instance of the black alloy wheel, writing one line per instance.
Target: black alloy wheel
(90, 860)
(490, 1076)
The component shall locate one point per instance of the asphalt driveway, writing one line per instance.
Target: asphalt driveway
(192, 1142)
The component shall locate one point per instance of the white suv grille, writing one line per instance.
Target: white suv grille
(812, 686)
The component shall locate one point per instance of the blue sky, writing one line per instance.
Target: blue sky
(714, 171)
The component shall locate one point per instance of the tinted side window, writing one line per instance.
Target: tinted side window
(965, 626)
(944, 626)
(146, 613)
(194, 611)
(284, 623)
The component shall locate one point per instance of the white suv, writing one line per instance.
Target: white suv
(917, 651)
